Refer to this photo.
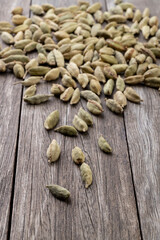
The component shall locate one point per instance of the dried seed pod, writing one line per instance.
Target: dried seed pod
(52, 120)
(77, 155)
(53, 151)
(57, 89)
(95, 87)
(79, 124)
(132, 80)
(83, 80)
(19, 28)
(144, 22)
(40, 49)
(131, 70)
(17, 10)
(125, 5)
(120, 84)
(152, 82)
(32, 63)
(37, 35)
(142, 68)
(85, 116)
(58, 191)
(115, 45)
(30, 91)
(120, 98)
(94, 7)
(120, 58)
(75, 97)
(89, 95)
(114, 106)
(110, 72)
(45, 27)
(117, 18)
(41, 58)
(22, 43)
(16, 58)
(108, 87)
(137, 16)
(67, 130)
(29, 81)
(7, 38)
(104, 145)
(53, 74)
(129, 13)
(148, 52)
(18, 19)
(18, 70)
(38, 71)
(130, 53)
(153, 21)
(59, 58)
(37, 9)
(140, 58)
(109, 59)
(155, 72)
(2, 66)
(73, 69)
(131, 95)
(146, 31)
(77, 59)
(120, 68)
(13, 52)
(99, 74)
(153, 30)
(95, 28)
(37, 99)
(67, 94)
(30, 47)
(94, 107)
(51, 59)
(67, 81)
(86, 174)
(146, 12)
(135, 28)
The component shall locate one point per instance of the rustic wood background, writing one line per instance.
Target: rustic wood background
(124, 200)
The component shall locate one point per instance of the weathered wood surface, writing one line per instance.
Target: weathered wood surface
(107, 210)
(10, 101)
(143, 128)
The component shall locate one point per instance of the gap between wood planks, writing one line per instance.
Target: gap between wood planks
(15, 160)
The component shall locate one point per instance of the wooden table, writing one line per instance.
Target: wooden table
(124, 200)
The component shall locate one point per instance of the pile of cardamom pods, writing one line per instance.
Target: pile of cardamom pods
(87, 48)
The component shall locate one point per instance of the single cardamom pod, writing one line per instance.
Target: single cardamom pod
(120, 98)
(29, 81)
(37, 99)
(120, 84)
(18, 70)
(132, 95)
(94, 107)
(108, 87)
(104, 145)
(53, 74)
(75, 97)
(89, 95)
(79, 124)
(77, 155)
(114, 106)
(86, 174)
(53, 151)
(67, 130)
(58, 191)
(67, 94)
(30, 91)
(57, 89)
(52, 120)
(85, 116)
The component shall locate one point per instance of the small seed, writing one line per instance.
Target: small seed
(53, 151)
(108, 87)
(75, 97)
(37, 99)
(104, 145)
(131, 95)
(30, 91)
(67, 94)
(77, 155)
(58, 191)
(85, 116)
(120, 98)
(94, 107)
(114, 106)
(86, 174)
(52, 120)
(89, 95)
(67, 130)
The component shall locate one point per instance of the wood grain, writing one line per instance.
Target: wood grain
(10, 97)
(106, 210)
(142, 127)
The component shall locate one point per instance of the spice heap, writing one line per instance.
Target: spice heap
(83, 48)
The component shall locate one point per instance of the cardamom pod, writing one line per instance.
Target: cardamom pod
(52, 120)
(86, 174)
(77, 155)
(58, 191)
(53, 151)
(104, 145)
(67, 130)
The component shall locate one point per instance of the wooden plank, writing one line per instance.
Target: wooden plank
(142, 127)
(9, 123)
(106, 210)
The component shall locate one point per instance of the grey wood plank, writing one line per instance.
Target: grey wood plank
(106, 210)
(10, 98)
(142, 128)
